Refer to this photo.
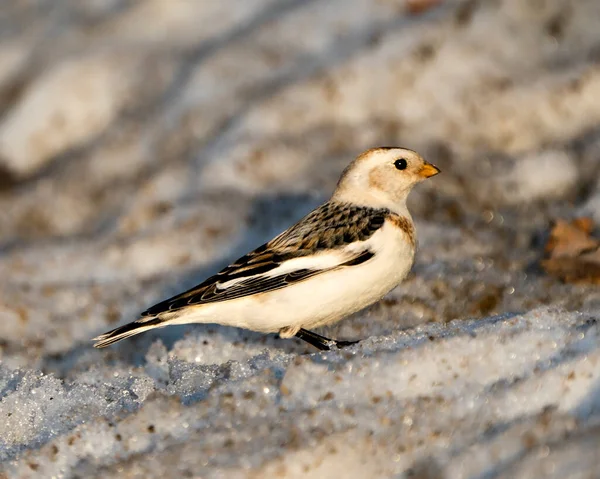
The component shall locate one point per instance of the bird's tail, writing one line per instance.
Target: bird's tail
(131, 329)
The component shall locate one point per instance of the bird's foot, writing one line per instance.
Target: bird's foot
(321, 342)
(343, 344)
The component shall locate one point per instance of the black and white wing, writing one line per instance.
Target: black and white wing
(332, 236)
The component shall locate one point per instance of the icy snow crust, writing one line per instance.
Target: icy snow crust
(470, 397)
(143, 145)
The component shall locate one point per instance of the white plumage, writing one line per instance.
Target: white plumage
(340, 258)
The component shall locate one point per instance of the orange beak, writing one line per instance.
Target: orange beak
(428, 170)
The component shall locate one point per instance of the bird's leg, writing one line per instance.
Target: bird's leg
(321, 342)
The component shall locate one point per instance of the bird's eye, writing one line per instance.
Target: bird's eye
(400, 164)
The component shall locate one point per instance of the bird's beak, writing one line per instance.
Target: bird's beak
(428, 170)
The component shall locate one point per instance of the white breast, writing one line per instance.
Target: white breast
(351, 289)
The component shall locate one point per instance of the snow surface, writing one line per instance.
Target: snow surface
(144, 144)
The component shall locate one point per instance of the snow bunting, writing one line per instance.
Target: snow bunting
(343, 256)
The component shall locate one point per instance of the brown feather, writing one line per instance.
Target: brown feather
(329, 227)
(403, 224)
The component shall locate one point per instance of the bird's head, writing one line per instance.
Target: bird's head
(383, 177)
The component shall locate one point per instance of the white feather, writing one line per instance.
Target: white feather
(322, 299)
(373, 181)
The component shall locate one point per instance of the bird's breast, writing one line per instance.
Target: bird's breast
(393, 259)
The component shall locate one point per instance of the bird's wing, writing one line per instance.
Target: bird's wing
(332, 236)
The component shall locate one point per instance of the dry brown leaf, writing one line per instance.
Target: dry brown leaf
(573, 255)
(415, 7)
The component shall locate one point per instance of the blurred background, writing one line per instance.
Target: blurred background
(146, 143)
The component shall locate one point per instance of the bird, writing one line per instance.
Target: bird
(340, 258)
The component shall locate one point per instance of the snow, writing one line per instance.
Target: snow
(471, 394)
(139, 153)
(50, 120)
